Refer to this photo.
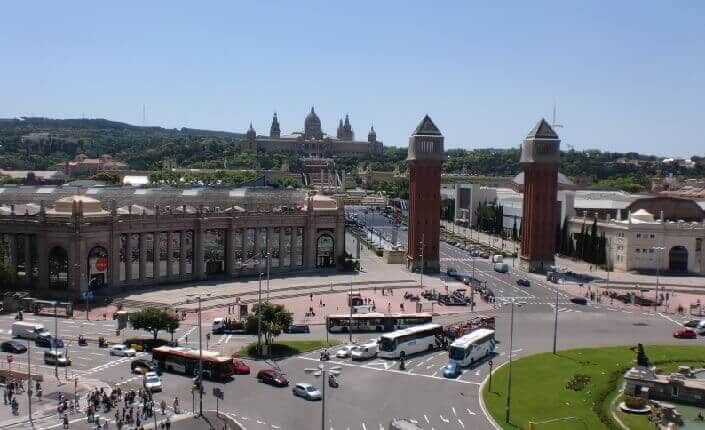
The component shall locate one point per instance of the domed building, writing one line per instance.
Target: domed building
(312, 141)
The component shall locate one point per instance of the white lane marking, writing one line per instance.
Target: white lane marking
(454, 413)
(461, 423)
(671, 320)
(364, 427)
(426, 418)
(445, 420)
(470, 412)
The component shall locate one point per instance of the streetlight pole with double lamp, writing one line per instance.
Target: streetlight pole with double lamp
(321, 372)
(509, 375)
(200, 354)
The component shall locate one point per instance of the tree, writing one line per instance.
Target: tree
(641, 358)
(109, 177)
(154, 320)
(515, 232)
(275, 319)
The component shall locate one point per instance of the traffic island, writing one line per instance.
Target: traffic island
(575, 389)
(285, 348)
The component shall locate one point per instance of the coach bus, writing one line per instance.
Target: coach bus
(185, 360)
(402, 343)
(466, 350)
(373, 321)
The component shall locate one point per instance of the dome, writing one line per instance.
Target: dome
(312, 126)
(641, 215)
(312, 118)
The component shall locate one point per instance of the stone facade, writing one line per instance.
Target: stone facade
(425, 162)
(313, 142)
(89, 241)
(540, 157)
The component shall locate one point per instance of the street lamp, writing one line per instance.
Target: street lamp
(321, 372)
(200, 353)
(509, 376)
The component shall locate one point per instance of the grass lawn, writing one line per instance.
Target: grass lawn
(287, 348)
(539, 391)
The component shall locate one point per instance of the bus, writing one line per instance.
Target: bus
(373, 321)
(402, 343)
(466, 350)
(185, 360)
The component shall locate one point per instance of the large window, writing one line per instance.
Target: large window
(163, 253)
(262, 242)
(123, 257)
(299, 246)
(149, 249)
(274, 247)
(58, 268)
(249, 243)
(239, 251)
(214, 251)
(325, 251)
(20, 243)
(135, 256)
(175, 252)
(188, 245)
(286, 258)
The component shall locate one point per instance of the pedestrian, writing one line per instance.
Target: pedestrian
(168, 423)
(163, 406)
(310, 296)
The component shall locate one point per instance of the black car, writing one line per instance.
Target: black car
(523, 282)
(49, 342)
(579, 300)
(298, 328)
(143, 365)
(13, 346)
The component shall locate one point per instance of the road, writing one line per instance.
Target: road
(371, 393)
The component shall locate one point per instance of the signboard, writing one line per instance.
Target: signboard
(87, 295)
(218, 393)
(101, 264)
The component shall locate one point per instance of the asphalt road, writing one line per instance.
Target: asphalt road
(373, 392)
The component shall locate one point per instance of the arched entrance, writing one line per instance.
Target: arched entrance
(58, 268)
(325, 251)
(97, 267)
(678, 259)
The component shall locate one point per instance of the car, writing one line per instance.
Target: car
(298, 328)
(49, 342)
(307, 391)
(240, 368)
(345, 351)
(485, 254)
(122, 350)
(700, 328)
(403, 424)
(523, 282)
(579, 300)
(272, 377)
(685, 333)
(152, 382)
(451, 370)
(692, 323)
(142, 366)
(56, 358)
(13, 346)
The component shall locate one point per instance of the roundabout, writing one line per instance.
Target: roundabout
(577, 388)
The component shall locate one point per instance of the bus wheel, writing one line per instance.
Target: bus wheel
(430, 347)
(402, 354)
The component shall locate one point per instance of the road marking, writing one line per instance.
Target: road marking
(426, 418)
(445, 420)
(470, 412)
(454, 413)
(461, 423)
(364, 427)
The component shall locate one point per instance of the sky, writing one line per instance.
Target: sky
(624, 75)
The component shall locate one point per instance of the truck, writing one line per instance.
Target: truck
(28, 330)
(227, 326)
(501, 267)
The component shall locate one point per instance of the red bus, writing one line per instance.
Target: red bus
(185, 360)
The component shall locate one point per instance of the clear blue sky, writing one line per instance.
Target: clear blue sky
(627, 75)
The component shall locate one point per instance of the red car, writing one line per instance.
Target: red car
(272, 377)
(685, 333)
(240, 368)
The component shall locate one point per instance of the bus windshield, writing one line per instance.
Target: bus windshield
(387, 344)
(457, 353)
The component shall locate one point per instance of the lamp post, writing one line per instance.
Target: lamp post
(509, 376)
(658, 250)
(54, 341)
(321, 372)
(200, 355)
(29, 382)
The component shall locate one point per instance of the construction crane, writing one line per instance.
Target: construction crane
(555, 125)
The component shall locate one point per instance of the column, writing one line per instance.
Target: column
(309, 238)
(182, 254)
(169, 252)
(128, 258)
(339, 245)
(156, 249)
(230, 250)
(27, 259)
(114, 259)
(281, 248)
(143, 256)
(258, 248)
(12, 249)
(198, 254)
(43, 261)
(293, 248)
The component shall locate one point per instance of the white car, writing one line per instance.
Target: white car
(345, 351)
(152, 382)
(122, 350)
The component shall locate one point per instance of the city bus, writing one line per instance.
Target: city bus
(402, 343)
(374, 321)
(466, 350)
(185, 360)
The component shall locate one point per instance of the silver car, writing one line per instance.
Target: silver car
(307, 391)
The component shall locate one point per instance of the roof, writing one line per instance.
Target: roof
(42, 174)
(426, 126)
(411, 330)
(542, 131)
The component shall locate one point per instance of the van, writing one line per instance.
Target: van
(56, 358)
(218, 326)
(28, 330)
(497, 258)
(501, 267)
(364, 352)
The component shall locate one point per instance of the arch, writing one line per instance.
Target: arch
(58, 268)
(98, 266)
(325, 251)
(678, 259)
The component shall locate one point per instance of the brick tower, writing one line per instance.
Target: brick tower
(540, 156)
(425, 161)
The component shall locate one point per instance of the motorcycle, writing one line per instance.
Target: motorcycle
(333, 381)
(19, 316)
(325, 356)
(82, 340)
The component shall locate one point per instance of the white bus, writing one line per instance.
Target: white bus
(468, 349)
(374, 321)
(402, 343)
